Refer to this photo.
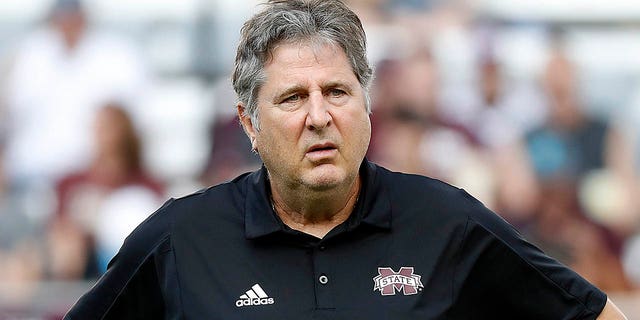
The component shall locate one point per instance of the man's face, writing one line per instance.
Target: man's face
(314, 128)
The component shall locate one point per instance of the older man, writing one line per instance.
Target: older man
(319, 232)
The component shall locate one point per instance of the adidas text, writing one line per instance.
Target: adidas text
(253, 302)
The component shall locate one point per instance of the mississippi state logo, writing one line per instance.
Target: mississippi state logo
(388, 281)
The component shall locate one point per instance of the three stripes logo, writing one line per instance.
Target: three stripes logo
(254, 297)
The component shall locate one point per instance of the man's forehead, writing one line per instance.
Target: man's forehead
(292, 63)
(293, 51)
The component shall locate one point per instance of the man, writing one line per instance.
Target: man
(319, 232)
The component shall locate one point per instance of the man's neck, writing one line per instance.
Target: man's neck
(315, 213)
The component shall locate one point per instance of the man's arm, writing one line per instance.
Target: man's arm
(611, 312)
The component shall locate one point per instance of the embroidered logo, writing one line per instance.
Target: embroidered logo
(388, 281)
(254, 297)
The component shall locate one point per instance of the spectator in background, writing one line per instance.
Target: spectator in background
(501, 141)
(228, 158)
(405, 106)
(625, 160)
(570, 143)
(21, 261)
(91, 214)
(404, 102)
(411, 135)
(60, 75)
(568, 147)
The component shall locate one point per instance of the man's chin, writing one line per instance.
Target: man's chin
(325, 178)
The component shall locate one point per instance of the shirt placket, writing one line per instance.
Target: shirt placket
(323, 276)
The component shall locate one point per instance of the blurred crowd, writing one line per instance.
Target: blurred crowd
(91, 141)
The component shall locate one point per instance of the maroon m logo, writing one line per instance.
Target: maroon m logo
(389, 281)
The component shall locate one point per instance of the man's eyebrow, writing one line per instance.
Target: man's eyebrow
(301, 88)
(336, 84)
(287, 91)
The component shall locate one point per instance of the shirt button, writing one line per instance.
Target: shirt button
(322, 248)
(323, 279)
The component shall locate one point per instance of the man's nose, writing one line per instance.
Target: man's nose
(318, 116)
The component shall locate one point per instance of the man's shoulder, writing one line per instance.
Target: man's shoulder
(419, 187)
(428, 197)
(428, 201)
(219, 202)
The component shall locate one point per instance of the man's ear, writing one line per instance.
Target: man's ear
(247, 125)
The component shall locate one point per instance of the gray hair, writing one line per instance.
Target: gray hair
(291, 21)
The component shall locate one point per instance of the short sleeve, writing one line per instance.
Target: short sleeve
(499, 275)
(137, 277)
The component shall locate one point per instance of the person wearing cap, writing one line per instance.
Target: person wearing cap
(319, 232)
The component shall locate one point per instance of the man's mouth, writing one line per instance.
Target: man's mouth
(327, 146)
(321, 152)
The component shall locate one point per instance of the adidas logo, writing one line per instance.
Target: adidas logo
(254, 297)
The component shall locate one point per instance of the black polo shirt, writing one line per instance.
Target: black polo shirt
(414, 248)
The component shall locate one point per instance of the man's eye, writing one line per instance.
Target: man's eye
(336, 92)
(292, 98)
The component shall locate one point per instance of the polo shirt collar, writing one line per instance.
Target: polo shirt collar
(373, 207)
(260, 219)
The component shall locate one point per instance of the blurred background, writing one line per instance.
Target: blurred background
(109, 107)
